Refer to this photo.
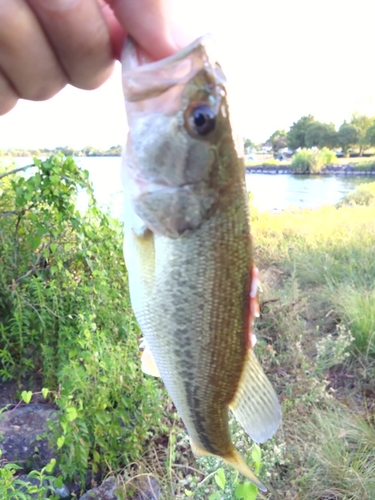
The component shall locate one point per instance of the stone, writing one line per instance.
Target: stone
(106, 491)
(146, 488)
(22, 441)
(63, 492)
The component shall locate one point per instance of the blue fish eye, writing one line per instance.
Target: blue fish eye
(202, 119)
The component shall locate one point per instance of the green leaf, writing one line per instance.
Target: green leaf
(51, 465)
(256, 454)
(188, 493)
(45, 392)
(60, 441)
(58, 482)
(35, 242)
(71, 413)
(26, 396)
(246, 491)
(102, 418)
(214, 496)
(220, 478)
(41, 230)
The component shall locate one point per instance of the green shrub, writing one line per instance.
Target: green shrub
(65, 311)
(364, 194)
(307, 161)
(304, 161)
(327, 156)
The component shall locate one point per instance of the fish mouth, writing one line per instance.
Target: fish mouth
(144, 78)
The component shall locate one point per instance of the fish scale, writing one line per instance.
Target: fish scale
(188, 251)
(186, 307)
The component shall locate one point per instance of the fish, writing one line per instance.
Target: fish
(188, 248)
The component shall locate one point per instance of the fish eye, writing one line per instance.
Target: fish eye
(202, 119)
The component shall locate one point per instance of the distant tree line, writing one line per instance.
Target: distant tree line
(308, 132)
(66, 151)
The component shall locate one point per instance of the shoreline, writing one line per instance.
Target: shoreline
(349, 170)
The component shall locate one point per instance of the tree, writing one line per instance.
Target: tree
(321, 135)
(114, 151)
(348, 135)
(362, 122)
(66, 150)
(296, 134)
(370, 135)
(278, 140)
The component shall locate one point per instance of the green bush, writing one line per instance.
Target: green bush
(304, 161)
(308, 161)
(363, 195)
(65, 312)
(327, 156)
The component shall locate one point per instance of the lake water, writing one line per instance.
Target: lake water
(270, 192)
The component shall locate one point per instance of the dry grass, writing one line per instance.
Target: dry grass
(318, 274)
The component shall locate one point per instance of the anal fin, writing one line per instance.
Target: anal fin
(255, 404)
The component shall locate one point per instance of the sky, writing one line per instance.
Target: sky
(283, 59)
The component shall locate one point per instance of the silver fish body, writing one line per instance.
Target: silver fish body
(188, 249)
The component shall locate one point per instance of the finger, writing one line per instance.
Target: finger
(116, 32)
(80, 37)
(8, 96)
(148, 22)
(25, 56)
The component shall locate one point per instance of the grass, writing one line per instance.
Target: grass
(318, 269)
(316, 342)
(267, 163)
(340, 457)
(356, 160)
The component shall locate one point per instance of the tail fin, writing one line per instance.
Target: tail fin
(239, 464)
(235, 460)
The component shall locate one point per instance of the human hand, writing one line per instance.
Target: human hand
(46, 44)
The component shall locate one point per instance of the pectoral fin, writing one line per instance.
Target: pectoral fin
(255, 404)
(235, 460)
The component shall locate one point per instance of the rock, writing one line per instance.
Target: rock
(22, 429)
(63, 492)
(146, 487)
(106, 491)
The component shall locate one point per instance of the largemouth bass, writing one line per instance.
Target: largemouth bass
(188, 249)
